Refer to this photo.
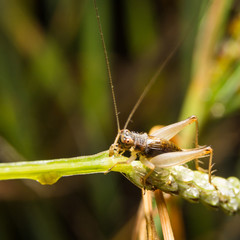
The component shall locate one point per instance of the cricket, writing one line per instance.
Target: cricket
(172, 63)
(157, 149)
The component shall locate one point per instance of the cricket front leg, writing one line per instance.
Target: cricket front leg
(177, 158)
(131, 159)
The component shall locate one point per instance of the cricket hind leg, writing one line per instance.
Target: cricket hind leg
(210, 153)
(210, 165)
(148, 164)
(170, 131)
(197, 146)
(171, 159)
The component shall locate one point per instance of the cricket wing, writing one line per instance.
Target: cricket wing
(177, 158)
(170, 131)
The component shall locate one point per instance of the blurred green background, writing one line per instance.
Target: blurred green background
(55, 102)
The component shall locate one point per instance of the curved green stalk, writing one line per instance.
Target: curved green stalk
(49, 171)
(178, 180)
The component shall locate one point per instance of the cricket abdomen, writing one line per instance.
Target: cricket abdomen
(159, 146)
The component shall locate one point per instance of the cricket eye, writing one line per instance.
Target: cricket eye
(128, 141)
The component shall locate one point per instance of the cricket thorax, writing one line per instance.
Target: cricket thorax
(134, 140)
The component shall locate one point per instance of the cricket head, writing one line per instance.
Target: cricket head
(126, 140)
(123, 142)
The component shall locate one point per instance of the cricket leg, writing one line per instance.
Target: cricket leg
(197, 146)
(210, 165)
(131, 159)
(197, 160)
(177, 158)
(148, 164)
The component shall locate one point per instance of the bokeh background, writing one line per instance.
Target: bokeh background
(55, 102)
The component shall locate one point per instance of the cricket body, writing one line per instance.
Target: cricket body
(155, 150)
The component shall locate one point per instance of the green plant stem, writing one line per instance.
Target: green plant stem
(49, 171)
(178, 180)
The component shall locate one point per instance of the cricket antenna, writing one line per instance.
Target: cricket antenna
(156, 75)
(108, 66)
(151, 82)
